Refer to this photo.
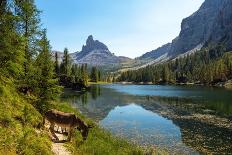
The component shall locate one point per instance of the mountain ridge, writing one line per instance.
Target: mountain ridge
(210, 24)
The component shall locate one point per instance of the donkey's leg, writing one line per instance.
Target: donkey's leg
(70, 134)
(63, 130)
(53, 131)
(59, 129)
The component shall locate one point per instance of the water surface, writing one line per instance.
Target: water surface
(182, 119)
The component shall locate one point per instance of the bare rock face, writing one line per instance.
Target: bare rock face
(197, 28)
(157, 53)
(212, 23)
(97, 54)
(222, 27)
(90, 46)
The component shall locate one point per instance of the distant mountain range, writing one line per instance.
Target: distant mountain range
(212, 23)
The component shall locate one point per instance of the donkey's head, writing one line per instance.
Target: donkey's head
(82, 127)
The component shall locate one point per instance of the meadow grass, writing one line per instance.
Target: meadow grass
(99, 82)
(18, 124)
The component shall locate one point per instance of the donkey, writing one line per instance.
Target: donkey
(67, 121)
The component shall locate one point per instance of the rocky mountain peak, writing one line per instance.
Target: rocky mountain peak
(92, 45)
(89, 40)
(96, 53)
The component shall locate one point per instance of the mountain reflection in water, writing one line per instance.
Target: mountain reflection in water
(189, 120)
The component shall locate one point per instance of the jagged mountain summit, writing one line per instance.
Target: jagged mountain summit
(96, 53)
(212, 23)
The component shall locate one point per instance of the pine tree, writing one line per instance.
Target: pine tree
(99, 76)
(66, 64)
(29, 26)
(46, 84)
(57, 66)
(94, 74)
(11, 43)
(165, 74)
(84, 74)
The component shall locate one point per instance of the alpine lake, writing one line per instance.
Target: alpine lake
(179, 119)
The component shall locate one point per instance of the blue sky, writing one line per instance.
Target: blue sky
(128, 27)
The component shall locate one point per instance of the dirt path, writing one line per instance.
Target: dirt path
(59, 148)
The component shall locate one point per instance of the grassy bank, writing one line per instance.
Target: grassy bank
(99, 82)
(19, 122)
(21, 132)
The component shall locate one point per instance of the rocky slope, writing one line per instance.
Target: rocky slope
(95, 53)
(157, 53)
(212, 23)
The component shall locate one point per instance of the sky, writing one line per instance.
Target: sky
(128, 27)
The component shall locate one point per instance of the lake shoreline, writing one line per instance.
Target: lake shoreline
(226, 85)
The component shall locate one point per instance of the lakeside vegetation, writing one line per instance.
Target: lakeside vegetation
(210, 66)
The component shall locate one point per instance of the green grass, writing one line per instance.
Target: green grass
(18, 122)
(99, 82)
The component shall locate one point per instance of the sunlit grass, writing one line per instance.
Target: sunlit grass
(18, 122)
(99, 82)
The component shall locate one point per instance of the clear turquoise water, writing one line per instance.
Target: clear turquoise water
(156, 115)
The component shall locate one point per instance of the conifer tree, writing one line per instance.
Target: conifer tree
(94, 74)
(165, 74)
(66, 64)
(11, 43)
(57, 65)
(84, 74)
(99, 76)
(47, 85)
(29, 26)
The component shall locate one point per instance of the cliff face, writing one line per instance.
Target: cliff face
(90, 46)
(97, 54)
(222, 27)
(212, 23)
(158, 52)
(196, 29)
